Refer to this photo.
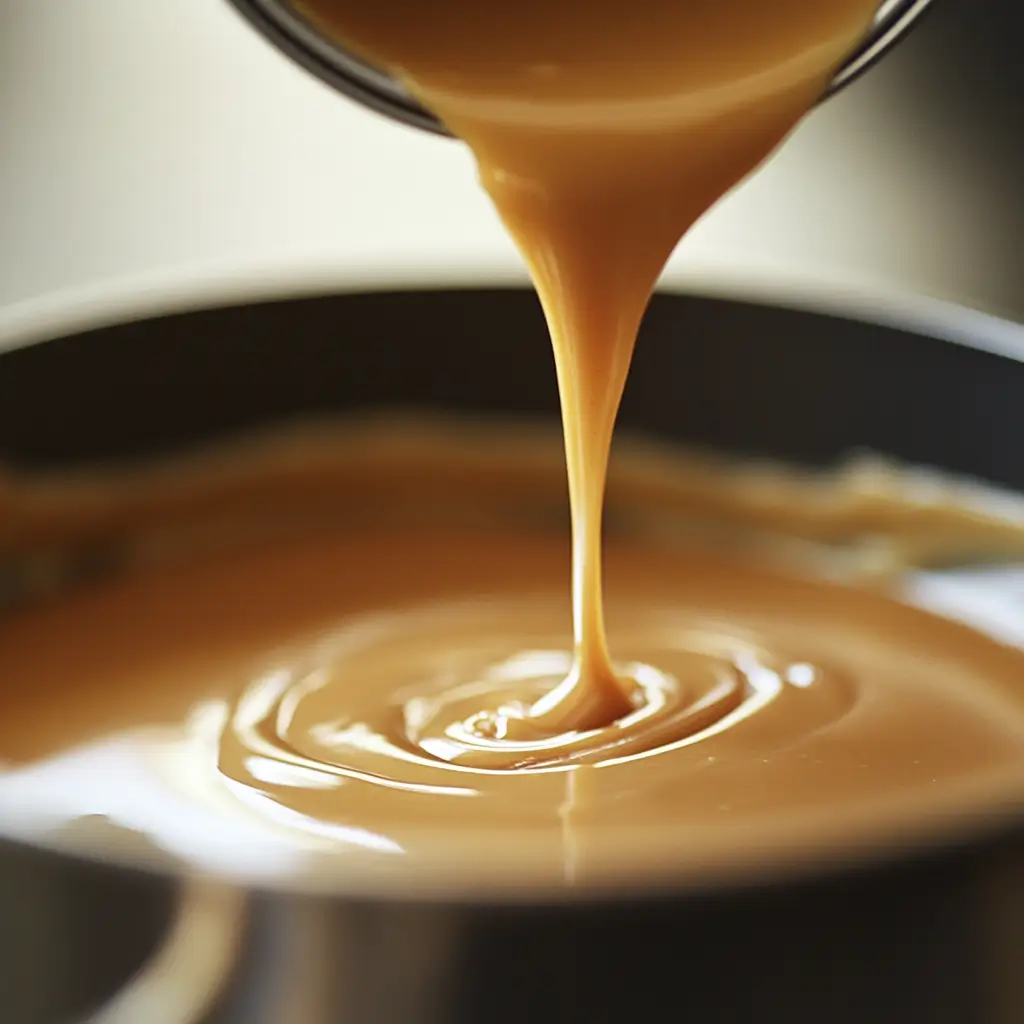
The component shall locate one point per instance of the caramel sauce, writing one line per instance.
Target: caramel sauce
(294, 668)
(388, 694)
(602, 133)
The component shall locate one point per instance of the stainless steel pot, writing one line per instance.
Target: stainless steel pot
(932, 936)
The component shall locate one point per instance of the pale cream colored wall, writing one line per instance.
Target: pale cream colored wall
(148, 141)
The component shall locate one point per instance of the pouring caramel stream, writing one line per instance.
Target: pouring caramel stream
(353, 672)
(602, 132)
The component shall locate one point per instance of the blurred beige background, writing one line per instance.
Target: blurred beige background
(143, 143)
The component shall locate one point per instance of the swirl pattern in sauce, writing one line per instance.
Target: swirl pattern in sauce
(304, 708)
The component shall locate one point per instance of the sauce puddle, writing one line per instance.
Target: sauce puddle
(328, 696)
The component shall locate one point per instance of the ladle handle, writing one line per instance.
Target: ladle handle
(190, 969)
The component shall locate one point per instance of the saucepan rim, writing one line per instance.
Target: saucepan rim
(72, 314)
(78, 310)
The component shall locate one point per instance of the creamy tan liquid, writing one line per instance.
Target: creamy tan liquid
(603, 130)
(396, 686)
(278, 678)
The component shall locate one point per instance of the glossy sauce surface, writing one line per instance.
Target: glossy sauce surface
(275, 684)
(602, 131)
(413, 695)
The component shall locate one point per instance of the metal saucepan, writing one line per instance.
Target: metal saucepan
(932, 936)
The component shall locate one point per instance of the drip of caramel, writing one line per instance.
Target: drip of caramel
(602, 131)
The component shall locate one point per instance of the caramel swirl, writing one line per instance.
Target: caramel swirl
(470, 705)
(301, 707)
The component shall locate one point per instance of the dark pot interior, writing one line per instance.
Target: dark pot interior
(930, 941)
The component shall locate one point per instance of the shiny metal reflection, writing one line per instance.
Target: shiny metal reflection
(293, 35)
